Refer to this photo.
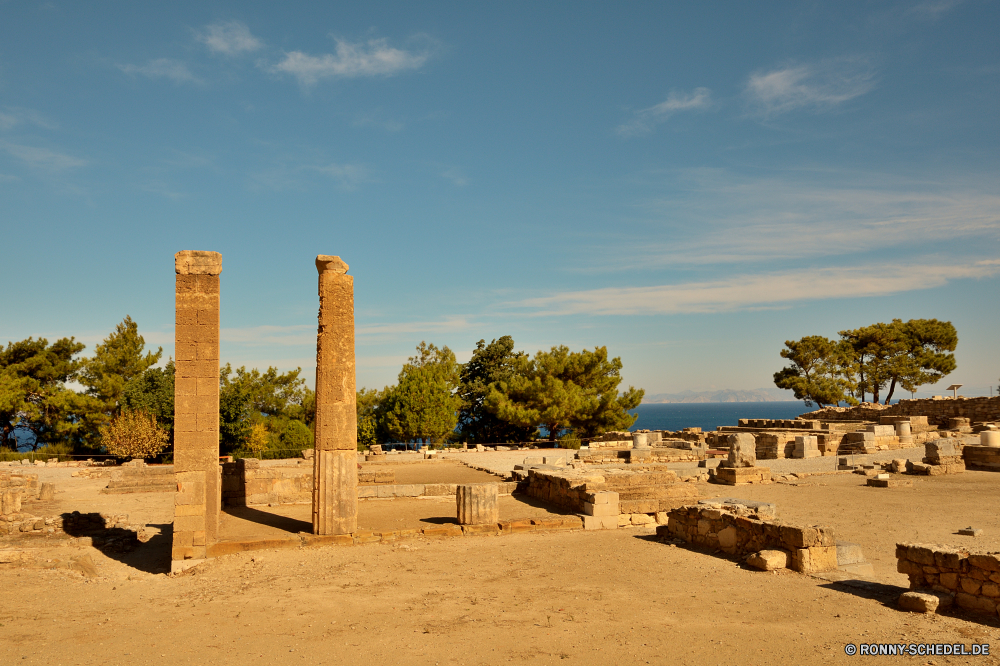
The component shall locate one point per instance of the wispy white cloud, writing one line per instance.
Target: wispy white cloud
(348, 176)
(351, 60)
(448, 324)
(12, 116)
(932, 9)
(761, 291)
(163, 68)
(456, 176)
(228, 38)
(42, 158)
(728, 218)
(821, 85)
(644, 120)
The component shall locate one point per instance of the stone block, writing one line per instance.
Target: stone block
(769, 560)
(889, 483)
(940, 448)
(742, 475)
(600, 522)
(477, 504)
(600, 509)
(923, 602)
(814, 559)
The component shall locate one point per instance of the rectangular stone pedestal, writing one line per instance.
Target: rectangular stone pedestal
(477, 504)
(890, 483)
(335, 492)
(741, 476)
(807, 447)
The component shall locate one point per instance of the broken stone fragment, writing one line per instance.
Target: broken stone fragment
(768, 560)
(924, 602)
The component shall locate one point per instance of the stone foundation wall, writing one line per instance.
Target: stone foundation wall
(15, 487)
(646, 492)
(981, 457)
(974, 578)
(141, 479)
(657, 454)
(938, 412)
(811, 549)
(246, 483)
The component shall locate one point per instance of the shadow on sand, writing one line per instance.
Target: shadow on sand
(151, 556)
(278, 522)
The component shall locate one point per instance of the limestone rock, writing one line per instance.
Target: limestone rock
(923, 602)
(769, 560)
(742, 450)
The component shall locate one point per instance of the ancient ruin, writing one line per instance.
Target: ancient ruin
(196, 405)
(335, 498)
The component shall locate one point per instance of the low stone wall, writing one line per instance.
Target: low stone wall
(973, 578)
(810, 549)
(246, 483)
(982, 457)
(656, 454)
(938, 412)
(639, 492)
(423, 490)
(141, 478)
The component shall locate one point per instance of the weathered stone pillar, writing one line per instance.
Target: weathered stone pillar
(477, 504)
(335, 469)
(196, 405)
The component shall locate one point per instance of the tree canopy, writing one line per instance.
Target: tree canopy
(34, 397)
(562, 389)
(423, 405)
(116, 361)
(817, 373)
(869, 359)
(490, 363)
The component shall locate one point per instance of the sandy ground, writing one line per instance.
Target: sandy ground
(618, 597)
(433, 471)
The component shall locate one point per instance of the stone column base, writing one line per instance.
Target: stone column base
(335, 492)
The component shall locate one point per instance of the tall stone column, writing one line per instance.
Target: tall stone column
(196, 405)
(335, 471)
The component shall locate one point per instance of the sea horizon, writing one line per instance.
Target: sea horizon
(710, 415)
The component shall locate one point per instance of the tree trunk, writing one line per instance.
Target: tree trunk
(892, 387)
(875, 394)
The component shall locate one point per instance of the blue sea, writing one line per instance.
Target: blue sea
(709, 415)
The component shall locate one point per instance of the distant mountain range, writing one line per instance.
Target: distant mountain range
(722, 395)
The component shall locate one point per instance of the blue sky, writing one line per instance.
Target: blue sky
(689, 184)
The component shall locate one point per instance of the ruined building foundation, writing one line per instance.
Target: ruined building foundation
(196, 406)
(335, 475)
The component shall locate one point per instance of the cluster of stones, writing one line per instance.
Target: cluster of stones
(943, 574)
(246, 483)
(16, 489)
(746, 530)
